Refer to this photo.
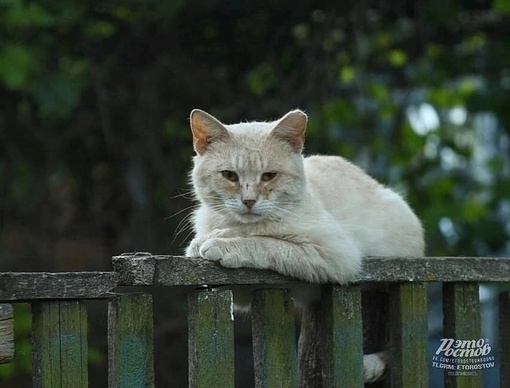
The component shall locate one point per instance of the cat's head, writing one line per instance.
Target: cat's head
(249, 172)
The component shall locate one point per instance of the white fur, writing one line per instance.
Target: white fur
(315, 221)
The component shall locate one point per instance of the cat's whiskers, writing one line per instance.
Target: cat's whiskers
(185, 224)
(186, 194)
(181, 211)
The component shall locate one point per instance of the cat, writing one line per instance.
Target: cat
(262, 204)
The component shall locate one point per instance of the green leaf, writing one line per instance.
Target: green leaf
(501, 6)
(347, 74)
(261, 78)
(16, 65)
(23, 15)
(100, 29)
(397, 58)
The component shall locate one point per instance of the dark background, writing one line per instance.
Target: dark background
(95, 145)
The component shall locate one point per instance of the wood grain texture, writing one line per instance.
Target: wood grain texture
(6, 333)
(504, 339)
(346, 342)
(462, 321)
(26, 286)
(408, 335)
(211, 339)
(59, 344)
(130, 341)
(274, 339)
(148, 269)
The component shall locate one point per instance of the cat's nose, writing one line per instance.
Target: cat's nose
(249, 203)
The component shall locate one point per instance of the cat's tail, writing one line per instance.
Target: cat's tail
(374, 366)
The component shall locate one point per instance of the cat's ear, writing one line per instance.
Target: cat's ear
(206, 129)
(291, 128)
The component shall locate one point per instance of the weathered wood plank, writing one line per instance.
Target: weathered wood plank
(504, 339)
(346, 367)
(274, 339)
(130, 341)
(211, 339)
(408, 335)
(26, 286)
(461, 311)
(315, 330)
(6, 333)
(59, 344)
(331, 340)
(147, 269)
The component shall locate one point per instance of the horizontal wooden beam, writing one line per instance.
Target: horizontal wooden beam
(162, 270)
(26, 286)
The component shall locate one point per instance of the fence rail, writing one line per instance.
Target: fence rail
(332, 330)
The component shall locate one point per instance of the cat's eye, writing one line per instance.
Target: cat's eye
(230, 175)
(267, 176)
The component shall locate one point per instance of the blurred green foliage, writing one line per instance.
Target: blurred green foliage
(94, 139)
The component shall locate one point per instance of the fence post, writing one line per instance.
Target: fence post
(461, 311)
(346, 349)
(504, 339)
(211, 339)
(130, 341)
(274, 339)
(6, 333)
(408, 335)
(59, 342)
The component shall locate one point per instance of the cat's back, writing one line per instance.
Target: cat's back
(372, 212)
(342, 186)
(335, 176)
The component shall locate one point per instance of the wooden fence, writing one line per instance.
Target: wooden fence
(332, 330)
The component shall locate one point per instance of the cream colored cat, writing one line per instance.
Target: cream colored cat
(264, 205)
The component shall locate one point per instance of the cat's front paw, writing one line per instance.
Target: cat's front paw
(211, 249)
(194, 248)
(222, 250)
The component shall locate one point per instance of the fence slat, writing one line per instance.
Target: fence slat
(504, 339)
(59, 340)
(461, 311)
(274, 339)
(347, 365)
(6, 333)
(331, 340)
(130, 341)
(408, 335)
(211, 339)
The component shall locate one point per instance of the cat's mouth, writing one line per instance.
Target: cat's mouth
(248, 217)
